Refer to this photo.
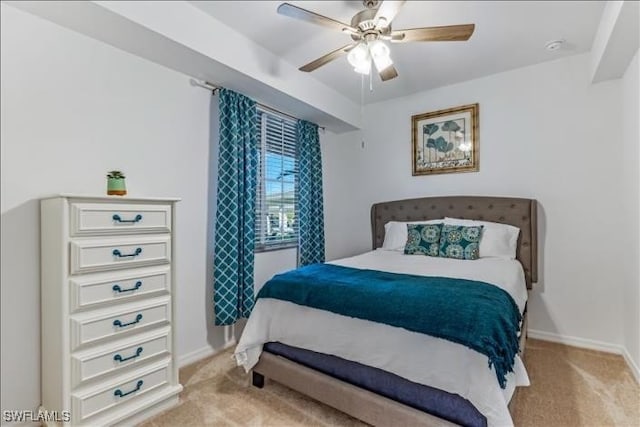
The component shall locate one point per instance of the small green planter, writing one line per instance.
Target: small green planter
(115, 184)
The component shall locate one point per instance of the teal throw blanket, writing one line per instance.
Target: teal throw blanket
(478, 315)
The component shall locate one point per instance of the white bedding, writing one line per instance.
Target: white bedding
(417, 357)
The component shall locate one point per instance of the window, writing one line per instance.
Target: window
(276, 222)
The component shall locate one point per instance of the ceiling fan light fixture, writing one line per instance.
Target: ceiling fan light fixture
(360, 58)
(365, 68)
(380, 54)
(378, 48)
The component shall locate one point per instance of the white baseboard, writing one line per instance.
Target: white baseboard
(632, 365)
(203, 353)
(575, 341)
(588, 344)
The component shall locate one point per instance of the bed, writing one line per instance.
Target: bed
(320, 362)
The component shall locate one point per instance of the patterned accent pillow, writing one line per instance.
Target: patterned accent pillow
(460, 242)
(423, 239)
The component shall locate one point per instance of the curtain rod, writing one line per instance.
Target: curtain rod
(215, 88)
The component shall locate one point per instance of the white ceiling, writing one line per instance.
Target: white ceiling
(508, 34)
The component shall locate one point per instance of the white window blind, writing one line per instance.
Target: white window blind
(276, 222)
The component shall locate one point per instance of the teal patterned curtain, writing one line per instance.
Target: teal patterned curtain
(235, 216)
(310, 205)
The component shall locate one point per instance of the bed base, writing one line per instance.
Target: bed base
(355, 401)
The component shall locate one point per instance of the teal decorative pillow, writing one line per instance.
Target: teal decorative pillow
(423, 239)
(460, 242)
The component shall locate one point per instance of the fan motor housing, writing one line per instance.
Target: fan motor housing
(363, 21)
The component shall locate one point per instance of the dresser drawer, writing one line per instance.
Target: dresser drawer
(94, 400)
(115, 253)
(89, 291)
(119, 218)
(104, 324)
(118, 355)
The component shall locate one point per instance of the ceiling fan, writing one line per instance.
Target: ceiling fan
(370, 29)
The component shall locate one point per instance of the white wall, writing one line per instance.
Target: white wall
(631, 186)
(72, 109)
(342, 217)
(545, 133)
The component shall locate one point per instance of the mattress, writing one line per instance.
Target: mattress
(416, 357)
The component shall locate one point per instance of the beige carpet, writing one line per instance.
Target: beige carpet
(569, 387)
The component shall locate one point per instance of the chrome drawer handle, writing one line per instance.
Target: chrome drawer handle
(119, 392)
(119, 324)
(119, 358)
(117, 218)
(117, 288)
(116, 252)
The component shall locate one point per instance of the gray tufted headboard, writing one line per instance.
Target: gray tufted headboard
(508, 210)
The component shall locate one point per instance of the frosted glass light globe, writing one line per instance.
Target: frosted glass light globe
(360, 58)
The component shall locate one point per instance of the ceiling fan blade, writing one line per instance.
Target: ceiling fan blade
(296, 12)
(447, 33)
(388, 73)
(387, 10)
(313, 65)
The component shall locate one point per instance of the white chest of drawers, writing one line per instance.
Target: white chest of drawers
(108, 347)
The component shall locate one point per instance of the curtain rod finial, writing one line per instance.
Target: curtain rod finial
(203, 84)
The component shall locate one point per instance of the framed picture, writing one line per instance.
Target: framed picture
(445, 141)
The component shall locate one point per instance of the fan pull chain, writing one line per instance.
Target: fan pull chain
(362, 110)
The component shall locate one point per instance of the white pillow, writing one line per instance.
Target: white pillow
(498, 240)
(395, 233)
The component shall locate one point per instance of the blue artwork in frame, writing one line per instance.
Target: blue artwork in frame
(445, 141)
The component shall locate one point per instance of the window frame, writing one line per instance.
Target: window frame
(260, 244)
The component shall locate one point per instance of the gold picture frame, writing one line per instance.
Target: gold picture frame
(445, 141)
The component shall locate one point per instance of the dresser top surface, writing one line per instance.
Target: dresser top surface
(126, 198)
